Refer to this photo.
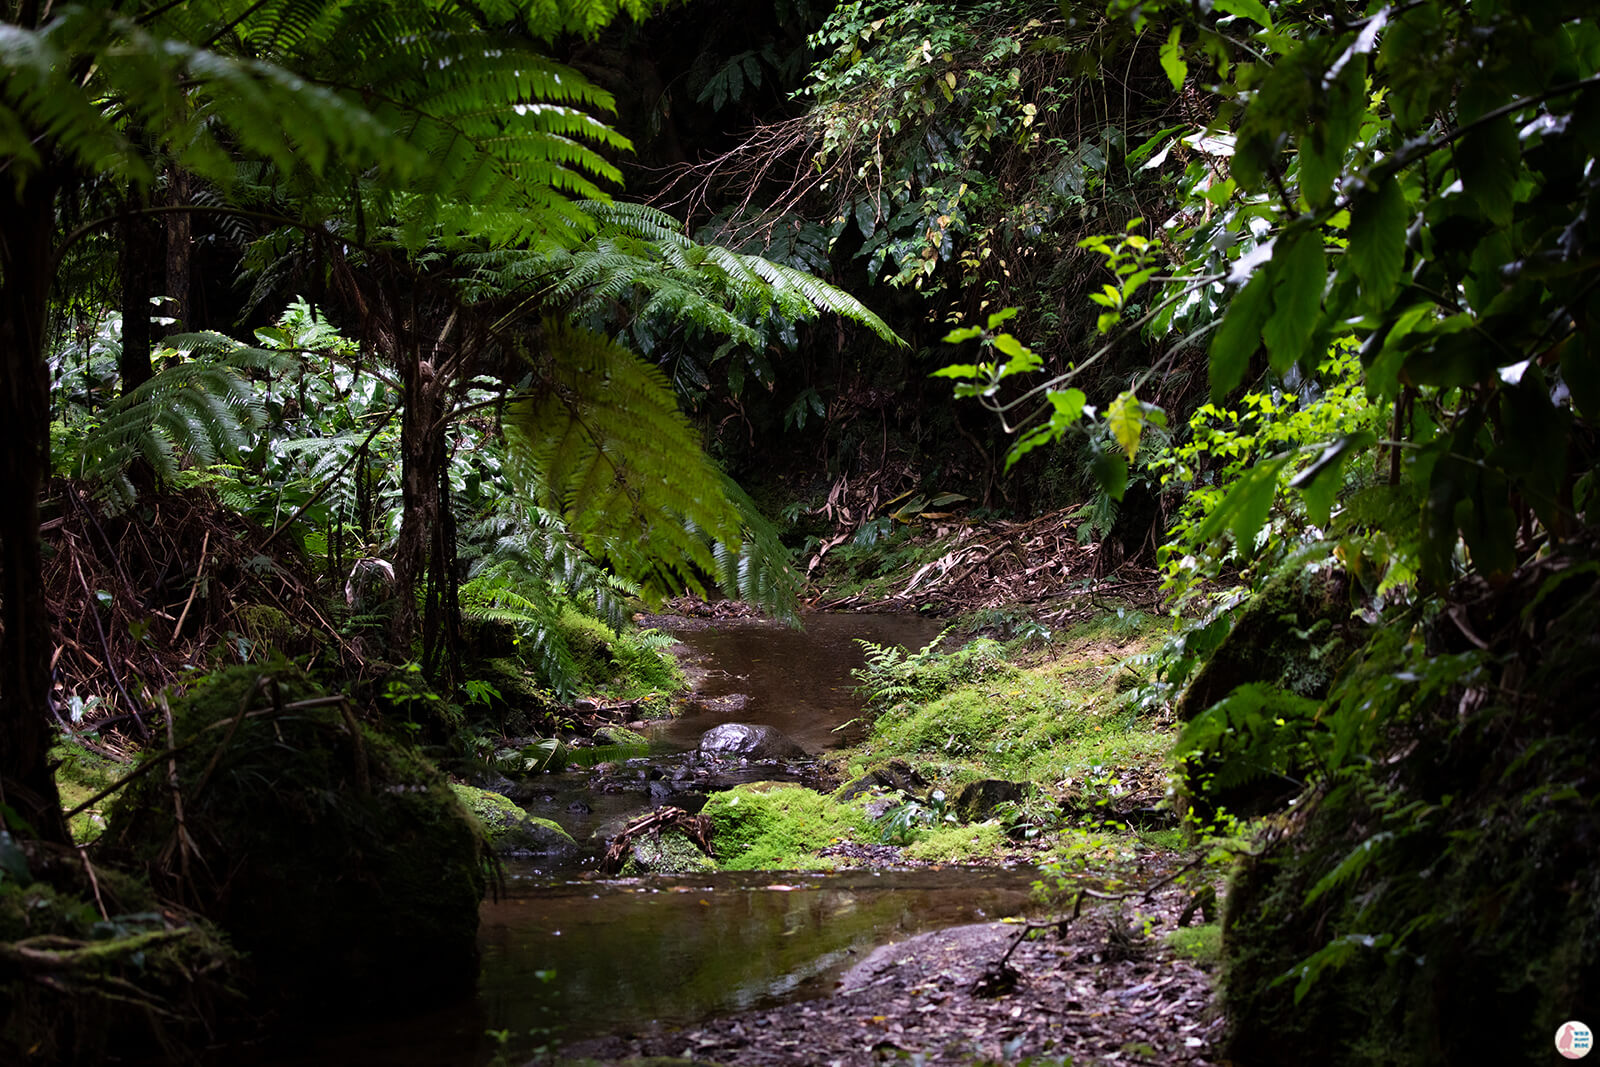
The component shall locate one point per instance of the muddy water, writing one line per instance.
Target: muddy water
(798, 681)
(566, 957)
(581, 959)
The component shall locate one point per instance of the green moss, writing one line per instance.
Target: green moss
(617, 735)
(779, 826)
(1202, 944)
(959, 844)
(338, 858)
(508, 827)
(626, 665)
(1059, 719)
(81, 774)
(670, 852)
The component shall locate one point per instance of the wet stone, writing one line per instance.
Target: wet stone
(748, 741)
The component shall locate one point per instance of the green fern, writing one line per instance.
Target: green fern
(604, 447)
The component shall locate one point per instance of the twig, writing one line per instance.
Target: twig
(105, 643)
(94, 882)
(194, 588)
(181, 833)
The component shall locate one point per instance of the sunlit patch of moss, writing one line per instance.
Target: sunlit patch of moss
(959, 844)
(80, 774)
(1057, 719)
(1203, 944)
(780, 826)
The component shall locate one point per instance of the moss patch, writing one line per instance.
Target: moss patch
(779, 826)
(1062, 719)
(1203, 944)
(80, 774)
(959, 844)
(338, 858)
(508, 827)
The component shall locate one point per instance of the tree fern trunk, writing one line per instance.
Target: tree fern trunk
(27, 787)
(421, 453)
(141, 251)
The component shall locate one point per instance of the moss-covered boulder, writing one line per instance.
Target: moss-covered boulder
(619, 735)
(669, 852)
(895, 775)
(337, 858)
(1294, 633)
(512, 831)
(779, 826)
(1439, 902)
(979, 800)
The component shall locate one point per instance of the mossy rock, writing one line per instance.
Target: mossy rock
(339, 859)
(979, 800)
(669, 852)
(895, 775)
(512, 831)
(1294, 633)
(618, 735)
(779, 826)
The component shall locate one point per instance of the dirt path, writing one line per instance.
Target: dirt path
(1103, 992)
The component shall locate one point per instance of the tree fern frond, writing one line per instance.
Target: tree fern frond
(199, 409)
(610, 451)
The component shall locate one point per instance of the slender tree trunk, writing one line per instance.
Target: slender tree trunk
(180, 241)
(27, 786)
(420, 464)
(141, 252)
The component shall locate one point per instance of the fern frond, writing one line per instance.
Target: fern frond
(200, 410)
(610, 452)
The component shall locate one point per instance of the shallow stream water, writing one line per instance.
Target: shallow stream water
(568, 955)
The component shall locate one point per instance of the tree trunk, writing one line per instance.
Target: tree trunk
(27, 786)
(141, 252)
(421, 460)
(180, 240)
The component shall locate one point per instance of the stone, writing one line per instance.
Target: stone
(748, 741)
(979, 800)
(896, 775)
(512, 831)
(670, 852)
(618, 735)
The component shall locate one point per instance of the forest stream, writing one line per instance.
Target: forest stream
(568, 954)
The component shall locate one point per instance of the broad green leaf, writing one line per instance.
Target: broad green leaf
(1111, 471)
(1246, 507)
(1125, 416)
(1377, 248)
(1237, 339)
(1299, 273)
(964, 333)
(1489, 162)
(1001, 316)
(957, 370)
(1068, 406)
(1172, 59)
(1320, 482)
(1254, 10)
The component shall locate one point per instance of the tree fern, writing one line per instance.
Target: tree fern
(198, 412)
(604, 446)
(641, 263)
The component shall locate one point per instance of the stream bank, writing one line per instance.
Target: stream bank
(1106, 989)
